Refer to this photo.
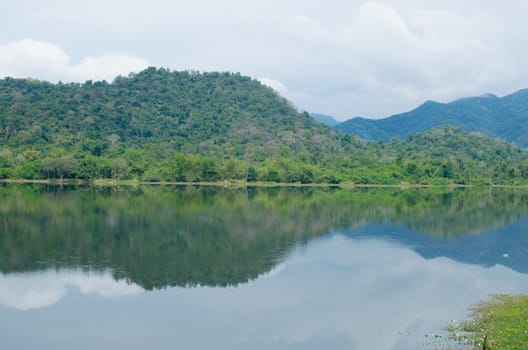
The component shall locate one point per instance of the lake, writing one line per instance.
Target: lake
(203, 267)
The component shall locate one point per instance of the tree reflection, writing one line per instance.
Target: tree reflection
(189, 236)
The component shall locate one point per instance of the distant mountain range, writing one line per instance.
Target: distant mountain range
(502, 117)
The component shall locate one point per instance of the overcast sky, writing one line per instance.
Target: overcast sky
(342, 58)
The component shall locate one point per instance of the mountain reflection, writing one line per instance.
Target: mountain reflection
(193, 236)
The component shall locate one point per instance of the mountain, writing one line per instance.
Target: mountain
(200, 113)
(325, 119)
(160, 125)
(505, 117)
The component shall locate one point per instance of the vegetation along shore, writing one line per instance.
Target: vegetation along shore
(498, 323)
(190, 127)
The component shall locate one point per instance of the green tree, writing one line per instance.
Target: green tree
(29, 170)
(88, 168)
(273, 176)
(120, 168)
(60, 167)
(252, 174)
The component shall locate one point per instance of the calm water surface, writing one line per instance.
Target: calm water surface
(202, 268)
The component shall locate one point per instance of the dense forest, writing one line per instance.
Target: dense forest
(159, 125)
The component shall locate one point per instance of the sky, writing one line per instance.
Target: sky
(343, 58)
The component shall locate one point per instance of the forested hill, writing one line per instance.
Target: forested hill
(505, 117)
(159, 125)
(206, 113)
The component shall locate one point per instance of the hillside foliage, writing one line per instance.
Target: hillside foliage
(159, 125)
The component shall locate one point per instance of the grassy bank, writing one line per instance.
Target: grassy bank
(501, 323)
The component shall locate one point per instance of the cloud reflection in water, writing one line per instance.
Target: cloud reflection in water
(335, 292)
(36, 290)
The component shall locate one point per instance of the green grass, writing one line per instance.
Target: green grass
(502, 321)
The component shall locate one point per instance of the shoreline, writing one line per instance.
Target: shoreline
(240, 184)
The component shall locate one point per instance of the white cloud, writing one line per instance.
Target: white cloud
(283, 90)
(387, 60)
(30, 58)
(33, 291)
(275, 85)
(30, 299)
(107, 66)
(43, 60)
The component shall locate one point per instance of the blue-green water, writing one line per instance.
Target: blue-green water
(201, 268)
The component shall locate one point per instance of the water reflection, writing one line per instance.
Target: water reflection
(281, 269)
(506, 245)
(159, 237)
(368, 293)
(337, 291)
(37, 290)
